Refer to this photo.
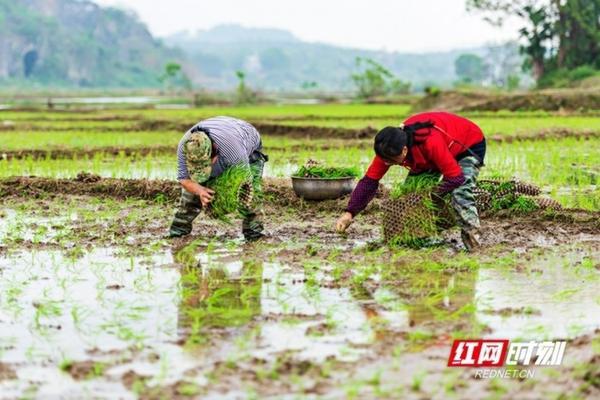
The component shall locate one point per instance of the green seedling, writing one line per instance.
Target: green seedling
(323, 172)
(235, 190)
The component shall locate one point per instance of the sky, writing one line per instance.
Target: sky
(392, 25)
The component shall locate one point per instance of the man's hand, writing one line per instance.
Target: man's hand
(205, 194)
(343, 222)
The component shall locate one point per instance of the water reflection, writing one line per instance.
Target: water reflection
(556, 297)
(421, 300)
(219, 296)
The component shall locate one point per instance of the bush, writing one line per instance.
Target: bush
(560, 78)
(580, 73)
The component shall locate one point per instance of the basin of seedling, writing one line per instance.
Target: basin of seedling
(323, 183)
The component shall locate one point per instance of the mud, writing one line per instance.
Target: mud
(53, 154)
(84, 369)
(90, 185)
(6, 372)
(287, 217)
(277, 192)
(305, 312)
(546, 100)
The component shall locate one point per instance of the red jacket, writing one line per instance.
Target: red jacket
(438, 151)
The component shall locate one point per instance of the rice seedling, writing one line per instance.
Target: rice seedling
(235, 191)
(423, 183)
(323, 172)
(413, 214)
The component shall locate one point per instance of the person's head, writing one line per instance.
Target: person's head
(199, 154)
(391, 144)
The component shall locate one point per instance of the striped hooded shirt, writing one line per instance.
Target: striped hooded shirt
(235, 141)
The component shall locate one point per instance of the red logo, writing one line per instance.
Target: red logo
(478, 353)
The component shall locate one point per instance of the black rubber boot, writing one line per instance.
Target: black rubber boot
(178, 230)
(470, 238)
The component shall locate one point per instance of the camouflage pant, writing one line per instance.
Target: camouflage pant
(463, 199)
(190, 206)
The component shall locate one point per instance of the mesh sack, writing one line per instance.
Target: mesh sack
(500, 188)
(246, 195)
(546, 203)
(483, 199)
(414, 217)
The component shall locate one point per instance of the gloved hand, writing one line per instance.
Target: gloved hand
(343, 222)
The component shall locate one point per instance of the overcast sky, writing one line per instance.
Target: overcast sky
(403, 25)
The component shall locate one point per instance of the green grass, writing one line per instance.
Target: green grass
(49, 140)
(69, 124)
(251, 112)
(105, 165)
(567, 169)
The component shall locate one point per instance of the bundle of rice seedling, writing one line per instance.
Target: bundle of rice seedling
(411, 215)
(498, 188)
(498, 194)
(235, 190)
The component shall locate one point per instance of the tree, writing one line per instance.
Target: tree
(559, 34)
(244, 95)
(376, 80)
(470, 68)
(173, 76)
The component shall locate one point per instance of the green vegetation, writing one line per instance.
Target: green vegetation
(174, 77)
(470, 68)
(374, 80)
(414, 214)
(101, 133)
(58, 40)
(244, 95)
(235, 191)
(319, 171)
(423, 183)
(562, 37)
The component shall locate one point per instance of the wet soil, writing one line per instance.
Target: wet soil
(324, 324)
(54, 154)
(6, 372)
(547, 100)
(287, 215)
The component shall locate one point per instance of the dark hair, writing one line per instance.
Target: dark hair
(390, 141)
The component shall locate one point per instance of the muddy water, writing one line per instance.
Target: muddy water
(557, 298)
(174, 317)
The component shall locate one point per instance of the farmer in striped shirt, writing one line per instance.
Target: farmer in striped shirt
(206, 151)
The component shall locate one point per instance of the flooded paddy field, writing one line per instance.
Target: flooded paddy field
(97, 302)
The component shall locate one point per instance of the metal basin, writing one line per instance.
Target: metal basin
(322, 189)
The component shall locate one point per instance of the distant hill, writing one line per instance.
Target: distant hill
(275, 59)
(77, 43)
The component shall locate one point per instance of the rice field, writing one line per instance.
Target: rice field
(97, 302)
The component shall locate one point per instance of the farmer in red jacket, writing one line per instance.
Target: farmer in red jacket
(431, 142)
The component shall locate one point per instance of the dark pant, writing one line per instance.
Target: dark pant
(190, 206)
